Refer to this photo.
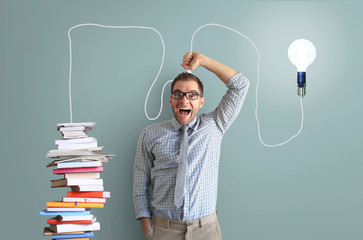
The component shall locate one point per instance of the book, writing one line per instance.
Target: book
(103, 157)
(82, 175)
(75, 199)
(98, 157)
(78, 164)
(87, 188)
(88, 125)
(74, 205)
(65, 209)
(61, 228)
(81, 143)
(75, 141)
(56, 221)
(64, 182)
(73, 152)
(74, 217)
(69, 163)
(97, 194)
(48, 232)
(66, 129)
(90, 151)
(65, 213)
(72, 135)
(77, 170)
(77, 146)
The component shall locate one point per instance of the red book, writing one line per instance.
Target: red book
(77, 170)
(97, 194)
(54, 221)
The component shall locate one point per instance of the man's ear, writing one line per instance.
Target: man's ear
(170, 101)
(202, 99)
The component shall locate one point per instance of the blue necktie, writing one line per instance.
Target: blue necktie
(183, 162)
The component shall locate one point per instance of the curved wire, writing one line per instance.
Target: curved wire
(115, 27)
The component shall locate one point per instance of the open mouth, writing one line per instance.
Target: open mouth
(184, 111)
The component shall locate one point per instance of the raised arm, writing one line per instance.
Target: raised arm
(231, 103)
(193, 60)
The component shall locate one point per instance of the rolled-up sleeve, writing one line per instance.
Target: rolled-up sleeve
(231, 103)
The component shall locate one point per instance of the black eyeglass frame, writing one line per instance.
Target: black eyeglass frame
(186, 95)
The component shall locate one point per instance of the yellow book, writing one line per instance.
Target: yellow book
(75, 204)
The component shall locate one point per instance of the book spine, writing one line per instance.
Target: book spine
(93, 200)
(77, 170)
(79, 164)
(94, 194)
(75, 204)
(53, 221)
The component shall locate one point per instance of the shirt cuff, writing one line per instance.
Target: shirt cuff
(143, 214)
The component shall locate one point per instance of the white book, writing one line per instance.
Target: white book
(80, 140)
(77, 146)
(79, 164)
(74, 137)
(87, 188)
(103, 157)
(90, 151)
(77, 134)
(85, 124)
(76, 182)
(67, 129)
(91, 200)
(82, 175)
(74, 152)
(62, 228)
(93, 220)
(65, 209)
(75, 217)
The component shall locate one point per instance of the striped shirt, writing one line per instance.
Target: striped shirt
(156, 160)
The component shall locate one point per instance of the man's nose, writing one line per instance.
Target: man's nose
(184, 98)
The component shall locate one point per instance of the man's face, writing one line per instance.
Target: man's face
(186, 110)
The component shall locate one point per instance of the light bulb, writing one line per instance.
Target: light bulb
(301, 53)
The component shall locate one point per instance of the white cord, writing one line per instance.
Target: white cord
(258, 81)
(161, 66)
(117, 27)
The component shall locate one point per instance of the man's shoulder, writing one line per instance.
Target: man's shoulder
(158, 126)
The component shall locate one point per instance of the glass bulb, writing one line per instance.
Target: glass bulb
(301, 53)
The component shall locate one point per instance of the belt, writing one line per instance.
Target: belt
(180, 225)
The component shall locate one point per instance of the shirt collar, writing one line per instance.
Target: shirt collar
(176, 125)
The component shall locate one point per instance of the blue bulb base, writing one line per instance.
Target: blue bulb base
(301, 83)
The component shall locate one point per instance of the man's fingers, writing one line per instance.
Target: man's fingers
(187, 61)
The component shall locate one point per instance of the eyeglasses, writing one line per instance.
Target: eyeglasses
(190, 95)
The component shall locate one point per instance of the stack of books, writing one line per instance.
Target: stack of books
(78, 163)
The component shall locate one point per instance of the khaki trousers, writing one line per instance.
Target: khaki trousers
(206, 228)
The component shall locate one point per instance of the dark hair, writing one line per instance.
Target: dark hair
(188, 77)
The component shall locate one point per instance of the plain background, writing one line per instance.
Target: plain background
(310, 188)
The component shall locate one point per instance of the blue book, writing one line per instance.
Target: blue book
(65, 213)
(66, 236)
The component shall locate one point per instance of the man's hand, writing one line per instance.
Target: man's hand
(146, 224)
(193, 60)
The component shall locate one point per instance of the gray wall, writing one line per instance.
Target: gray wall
(310, 188)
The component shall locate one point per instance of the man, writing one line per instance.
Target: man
(179, 158)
